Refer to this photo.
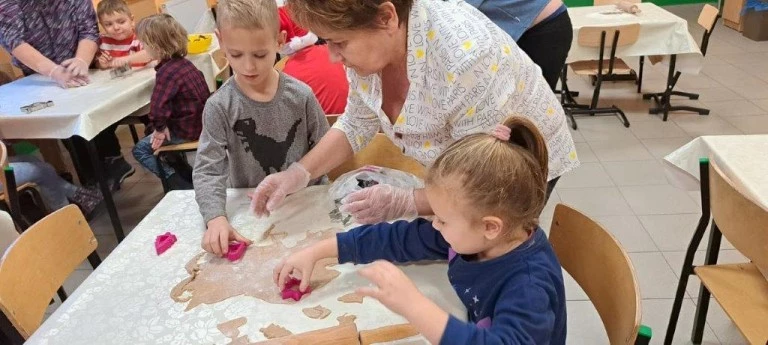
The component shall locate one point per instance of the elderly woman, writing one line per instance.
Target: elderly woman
(426, 73)
(57, 39)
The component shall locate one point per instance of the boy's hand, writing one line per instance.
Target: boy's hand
(159, 138)
(103, 60)
(393, 288)
(273, 189)
(219, 234)
(299, 265)
(120, 62)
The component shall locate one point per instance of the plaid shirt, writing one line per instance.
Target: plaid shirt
(54, 27)
(178, 98)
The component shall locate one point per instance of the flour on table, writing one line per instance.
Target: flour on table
(317, 312)
(351, 298)
(274, 331)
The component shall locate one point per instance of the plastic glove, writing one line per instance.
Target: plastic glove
(380, 203)
(273, 189)
(76, 66)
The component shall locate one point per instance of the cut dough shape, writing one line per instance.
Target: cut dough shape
(351, 298)
(345, 319)
(230, 328)
(317, 312)
(274, 331)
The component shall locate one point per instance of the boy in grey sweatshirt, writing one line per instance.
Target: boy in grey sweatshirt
(259, 122)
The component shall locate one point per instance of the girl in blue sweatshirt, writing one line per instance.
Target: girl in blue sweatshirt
(487, 192)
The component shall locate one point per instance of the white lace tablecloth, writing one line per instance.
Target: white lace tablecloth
(742, 158)
(661, 33)
(127, 299)
(83, 111)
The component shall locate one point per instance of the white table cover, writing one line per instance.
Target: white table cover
(742, 158)
(661, 33)
(83, 111)
(126, 300)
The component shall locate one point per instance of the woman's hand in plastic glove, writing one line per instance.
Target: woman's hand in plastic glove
(273, 189)
(380, 203)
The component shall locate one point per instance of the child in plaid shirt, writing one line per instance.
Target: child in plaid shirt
(178, 98)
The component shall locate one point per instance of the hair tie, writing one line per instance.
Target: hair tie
(501, 132)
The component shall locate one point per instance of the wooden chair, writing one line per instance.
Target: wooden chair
(9, 192)
(39, 262)
(621, 76)
(381, 152)
(740, 289)
(595, 37)
(707, 19)
(598, 263)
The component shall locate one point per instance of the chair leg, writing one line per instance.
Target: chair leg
(94, 260)
(163, 178)
(134, 135)
(62, 294)
(622, 117)
(700, 318)
(640, 75)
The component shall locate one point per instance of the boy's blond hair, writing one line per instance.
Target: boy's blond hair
(248, 14)
(163, 35)
(107, 7)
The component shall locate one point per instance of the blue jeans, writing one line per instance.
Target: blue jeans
(54, 189)
(146, 156)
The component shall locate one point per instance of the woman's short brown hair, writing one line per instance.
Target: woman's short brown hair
(507, 179)
(343, 14)
(163, 35)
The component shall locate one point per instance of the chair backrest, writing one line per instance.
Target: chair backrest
(707, 19)
(612, 2)
(742, 222)
(37, 264)
(598, 263)
(381, 152)
(3, 164)
(8, 232)
(222, 64)
(591, 36)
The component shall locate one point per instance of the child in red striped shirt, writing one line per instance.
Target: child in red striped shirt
(119, 46)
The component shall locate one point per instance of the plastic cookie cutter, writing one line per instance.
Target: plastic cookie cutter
(291, 290)
(236, 251)
(163, 242)
(121, 71)
(31, 108)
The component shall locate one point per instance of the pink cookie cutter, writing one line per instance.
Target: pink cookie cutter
(236, 251)
(163, 242)
(290, 292)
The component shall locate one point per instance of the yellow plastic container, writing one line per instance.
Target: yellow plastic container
(198, 43)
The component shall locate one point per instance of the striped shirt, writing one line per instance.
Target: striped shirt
(53, 27)
(120, 48)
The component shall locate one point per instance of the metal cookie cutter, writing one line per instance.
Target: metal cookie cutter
(121, 71)
(27, 109)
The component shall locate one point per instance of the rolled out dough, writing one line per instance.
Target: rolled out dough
(351, 298)
(230, 328)
(345, 319)
(317, 312)
(274, 331)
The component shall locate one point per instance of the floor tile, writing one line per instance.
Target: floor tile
(585, 153)
(549, 208)
(722, 325)
(75, 279)
(671, 232)
(656, 278)
(586, 175)
(661, 199)
(627, 149)
(739, 107)
(656, 130)
(712, 94)
(656, 314)
(584, 324)
(659, 148)
(573, 292)
(603, 201)
(697, 125)
(637, 173)
(602, 128)
(752, 90)
(750, 124)
(762, 103)
(629, 232)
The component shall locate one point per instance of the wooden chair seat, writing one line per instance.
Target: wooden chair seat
(190, 146)
(590, 67)
(380, 152)
(28, 185)
(742, 292)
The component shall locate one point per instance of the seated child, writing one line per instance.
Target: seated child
(119, 47)
(258, 123)
(178, 99)
(487, 192)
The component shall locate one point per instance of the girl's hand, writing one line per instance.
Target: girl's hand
(159, 138)
(298, 265)
(393, 288)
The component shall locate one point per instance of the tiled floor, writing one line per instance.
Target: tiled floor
(621, 182)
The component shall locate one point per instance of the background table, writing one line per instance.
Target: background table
(126, 300)
(661, 33)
